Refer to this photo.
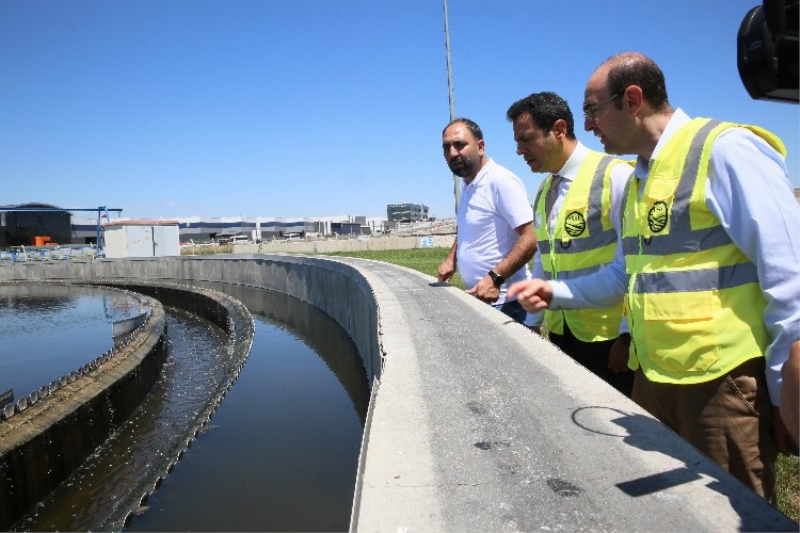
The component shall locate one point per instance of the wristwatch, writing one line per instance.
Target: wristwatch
(497, 279)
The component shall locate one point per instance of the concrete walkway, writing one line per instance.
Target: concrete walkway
(477, 424)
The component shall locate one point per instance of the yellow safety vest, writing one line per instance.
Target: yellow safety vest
(582, 242)
(695, 307)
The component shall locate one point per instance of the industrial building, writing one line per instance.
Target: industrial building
(406, 212)
(276, 228)
(39, 223)
(34, 224)
(141, 238)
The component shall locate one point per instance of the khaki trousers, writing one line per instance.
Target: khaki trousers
(728, 419)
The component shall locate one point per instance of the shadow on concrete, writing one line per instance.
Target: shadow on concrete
(646, 433)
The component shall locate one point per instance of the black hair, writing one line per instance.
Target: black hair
(473, 128)
(545, 109)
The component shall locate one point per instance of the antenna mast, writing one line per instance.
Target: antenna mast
(456, 187)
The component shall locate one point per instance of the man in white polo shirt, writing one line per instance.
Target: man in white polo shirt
(496, 238)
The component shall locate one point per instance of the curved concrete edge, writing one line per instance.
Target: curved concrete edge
(334, 287)
(474, 422)
(120, 329)
(43, 444)
(235, 319)
(121, 337)
(478, 425)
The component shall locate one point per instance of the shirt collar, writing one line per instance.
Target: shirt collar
(570, 169)
(481, 173)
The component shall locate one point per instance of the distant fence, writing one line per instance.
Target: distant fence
(48, 253)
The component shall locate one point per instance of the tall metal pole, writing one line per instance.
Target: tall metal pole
(456, 183)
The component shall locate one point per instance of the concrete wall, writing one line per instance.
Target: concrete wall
(476, 424)
(44, 439)
(46, 436)
(331, 286)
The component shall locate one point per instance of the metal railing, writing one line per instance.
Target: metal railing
(49, 253)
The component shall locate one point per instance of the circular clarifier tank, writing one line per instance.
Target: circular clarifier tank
(285, 438)
(49, 330)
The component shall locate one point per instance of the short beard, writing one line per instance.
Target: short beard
(468, 168)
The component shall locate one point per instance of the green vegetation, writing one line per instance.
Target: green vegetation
(788, 486)
(427, 260)
(207, 250)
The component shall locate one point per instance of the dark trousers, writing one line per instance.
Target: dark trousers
(729, 419)
(594, 356)
(514, 310)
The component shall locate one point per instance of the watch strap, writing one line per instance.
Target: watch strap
(497, 279)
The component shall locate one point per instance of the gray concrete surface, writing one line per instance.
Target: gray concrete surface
(475, 423)
(480, 425)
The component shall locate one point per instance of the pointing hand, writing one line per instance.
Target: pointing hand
(533, 294)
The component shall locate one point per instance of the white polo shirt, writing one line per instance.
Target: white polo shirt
(491, 206)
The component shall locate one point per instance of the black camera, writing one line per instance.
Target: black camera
(767, 51)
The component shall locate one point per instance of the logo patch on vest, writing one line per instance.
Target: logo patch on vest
(657, 217)
(574, 224)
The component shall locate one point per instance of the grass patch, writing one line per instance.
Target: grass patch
(427, 260)
(788, 486)
(208, 250)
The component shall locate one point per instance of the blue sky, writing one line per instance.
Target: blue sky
(291, 108)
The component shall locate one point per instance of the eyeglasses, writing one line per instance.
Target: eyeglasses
(590, 109)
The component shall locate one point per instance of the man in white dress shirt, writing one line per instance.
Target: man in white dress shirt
(711, 272)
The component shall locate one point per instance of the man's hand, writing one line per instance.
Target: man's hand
(485, 290)
(446, 269)
(618, 356)
(533, 294)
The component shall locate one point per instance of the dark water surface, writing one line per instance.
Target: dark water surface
(50, 330)
(279, 454)
(101, 492)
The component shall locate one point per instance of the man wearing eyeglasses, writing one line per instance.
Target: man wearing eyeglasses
(577, 220)
(711, 269)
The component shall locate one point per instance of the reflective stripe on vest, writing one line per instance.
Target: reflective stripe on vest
(584, 213)
(691, 240)
(708, 279)
(569, 274)
(598, 237)
(695, 307)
